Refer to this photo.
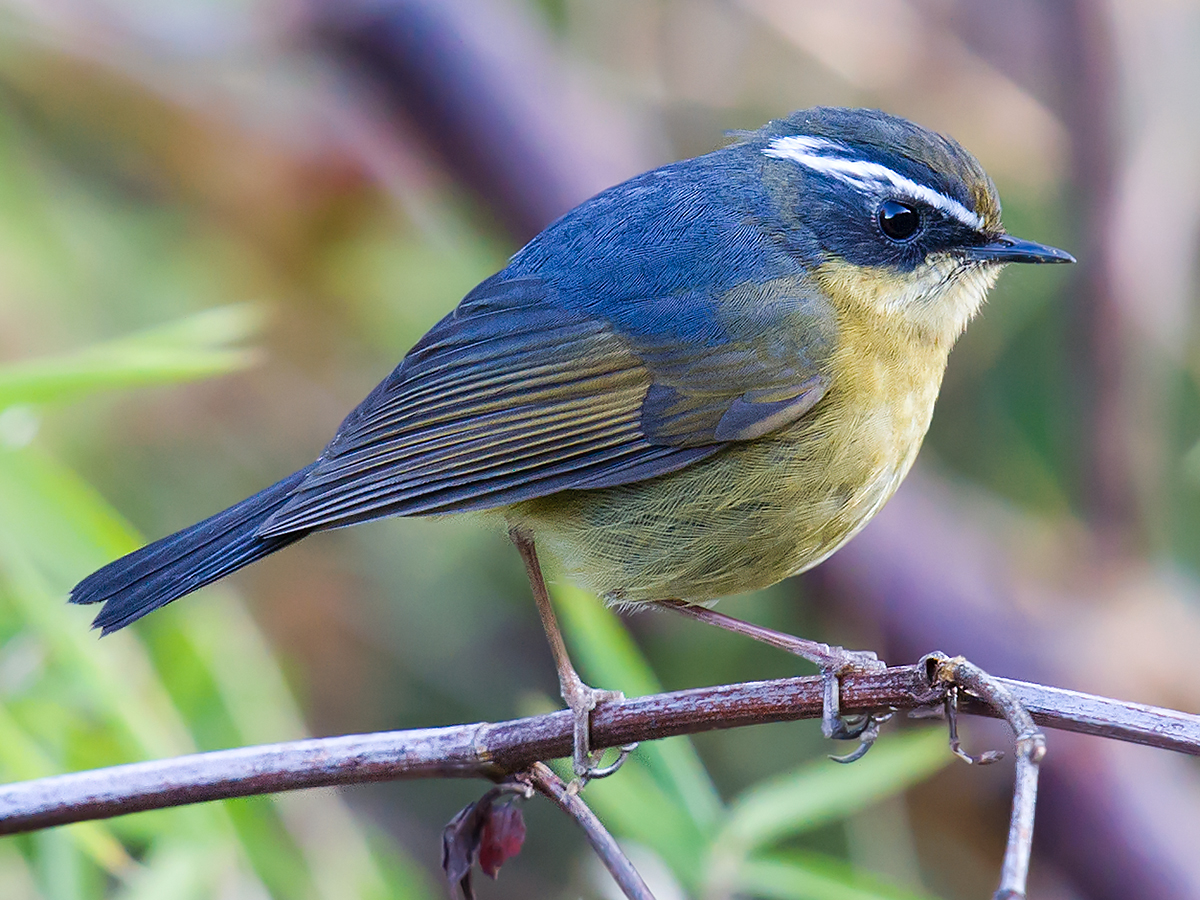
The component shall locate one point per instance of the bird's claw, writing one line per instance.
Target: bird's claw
(866, 737)
(987, 757)
(591, 768)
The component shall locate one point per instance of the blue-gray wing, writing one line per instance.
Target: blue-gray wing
(513, 397)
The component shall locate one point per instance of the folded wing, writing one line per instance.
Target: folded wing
(513, 396)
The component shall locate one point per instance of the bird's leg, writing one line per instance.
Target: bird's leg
(579, 697)
(834, 662)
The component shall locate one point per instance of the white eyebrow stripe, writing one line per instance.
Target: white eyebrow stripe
(863, 174)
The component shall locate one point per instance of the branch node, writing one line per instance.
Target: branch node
(957, 672)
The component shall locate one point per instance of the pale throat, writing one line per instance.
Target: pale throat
(934, 302)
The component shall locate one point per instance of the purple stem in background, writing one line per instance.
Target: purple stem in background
(488, 93)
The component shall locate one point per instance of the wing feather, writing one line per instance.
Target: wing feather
(514, 396)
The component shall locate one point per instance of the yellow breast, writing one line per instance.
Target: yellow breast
(763, 509)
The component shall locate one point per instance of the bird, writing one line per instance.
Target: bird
(696, 383)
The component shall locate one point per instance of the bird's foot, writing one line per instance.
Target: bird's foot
(836, 662)
(582, 699)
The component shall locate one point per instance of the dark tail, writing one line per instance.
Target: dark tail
(178, 564)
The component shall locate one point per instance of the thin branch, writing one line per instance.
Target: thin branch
(495, 750)
(1031, 750)
(567, 799)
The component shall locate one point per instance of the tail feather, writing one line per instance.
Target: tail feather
(180, 563)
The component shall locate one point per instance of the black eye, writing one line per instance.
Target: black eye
(899, 221)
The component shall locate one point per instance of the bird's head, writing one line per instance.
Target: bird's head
(889, 216)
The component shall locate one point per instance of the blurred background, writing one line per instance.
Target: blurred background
(221, 223)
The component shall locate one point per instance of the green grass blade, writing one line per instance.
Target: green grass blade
(823, 791)
(57, 520)
(811, 876)
(198, 346)
(177, 869)
(54, 528)
(252, 689)
(21, 758)
(633, 806)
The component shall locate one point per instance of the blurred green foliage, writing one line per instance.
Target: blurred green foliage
(152, 236)
(205, 681)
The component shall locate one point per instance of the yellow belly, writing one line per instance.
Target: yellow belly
(758, 511)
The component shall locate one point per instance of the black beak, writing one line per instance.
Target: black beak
(1006, 249)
